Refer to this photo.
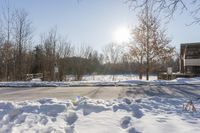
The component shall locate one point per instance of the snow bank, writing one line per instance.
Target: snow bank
(127, 82)
(32, 84)
(178, 81)
(83, 115)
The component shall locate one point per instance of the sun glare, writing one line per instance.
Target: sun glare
(121, 35)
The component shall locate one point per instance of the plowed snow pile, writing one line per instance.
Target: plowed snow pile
(83, 115)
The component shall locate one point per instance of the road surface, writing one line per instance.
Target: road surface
(137, 91)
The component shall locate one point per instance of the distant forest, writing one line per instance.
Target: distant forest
(55, 57)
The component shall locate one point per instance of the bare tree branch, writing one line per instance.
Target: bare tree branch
(169, 7)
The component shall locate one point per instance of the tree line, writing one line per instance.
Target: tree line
(55, 57)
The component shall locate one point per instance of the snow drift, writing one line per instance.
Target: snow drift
(83, 115)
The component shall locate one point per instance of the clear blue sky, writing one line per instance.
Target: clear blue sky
(92, 22)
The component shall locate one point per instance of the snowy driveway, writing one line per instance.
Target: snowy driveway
(137, 91)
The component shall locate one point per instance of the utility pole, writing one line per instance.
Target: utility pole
(8, 13)
(8, 40)
(147, 41)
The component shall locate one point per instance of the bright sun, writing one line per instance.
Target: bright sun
(121, 35)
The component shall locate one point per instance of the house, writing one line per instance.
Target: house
(190, 58)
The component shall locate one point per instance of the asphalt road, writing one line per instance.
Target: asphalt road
(138, 91)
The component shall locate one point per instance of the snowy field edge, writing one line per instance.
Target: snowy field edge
(122, 82)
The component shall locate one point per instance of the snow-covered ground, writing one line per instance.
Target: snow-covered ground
(116, 77)
(160, 112)
(83, 115)
(88, 80)
(107, 81)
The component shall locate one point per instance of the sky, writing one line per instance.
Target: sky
(95, 22)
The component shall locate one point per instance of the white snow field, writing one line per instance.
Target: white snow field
(138, 107)
(83, 115)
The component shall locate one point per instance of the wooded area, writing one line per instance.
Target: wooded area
(55, 57)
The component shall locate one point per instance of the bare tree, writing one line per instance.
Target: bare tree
(112, 53)
(50, 43)
(22, 35)
(169, 7)
(151, 42)
(2, 39)
(65, 50)
(6, 19)
(80, 61)
(138, 55)
(7, 56)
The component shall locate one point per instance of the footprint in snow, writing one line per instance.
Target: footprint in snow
(70, 129)
(125, 122)
(71, 117)
(137, 112)
(132, 130)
